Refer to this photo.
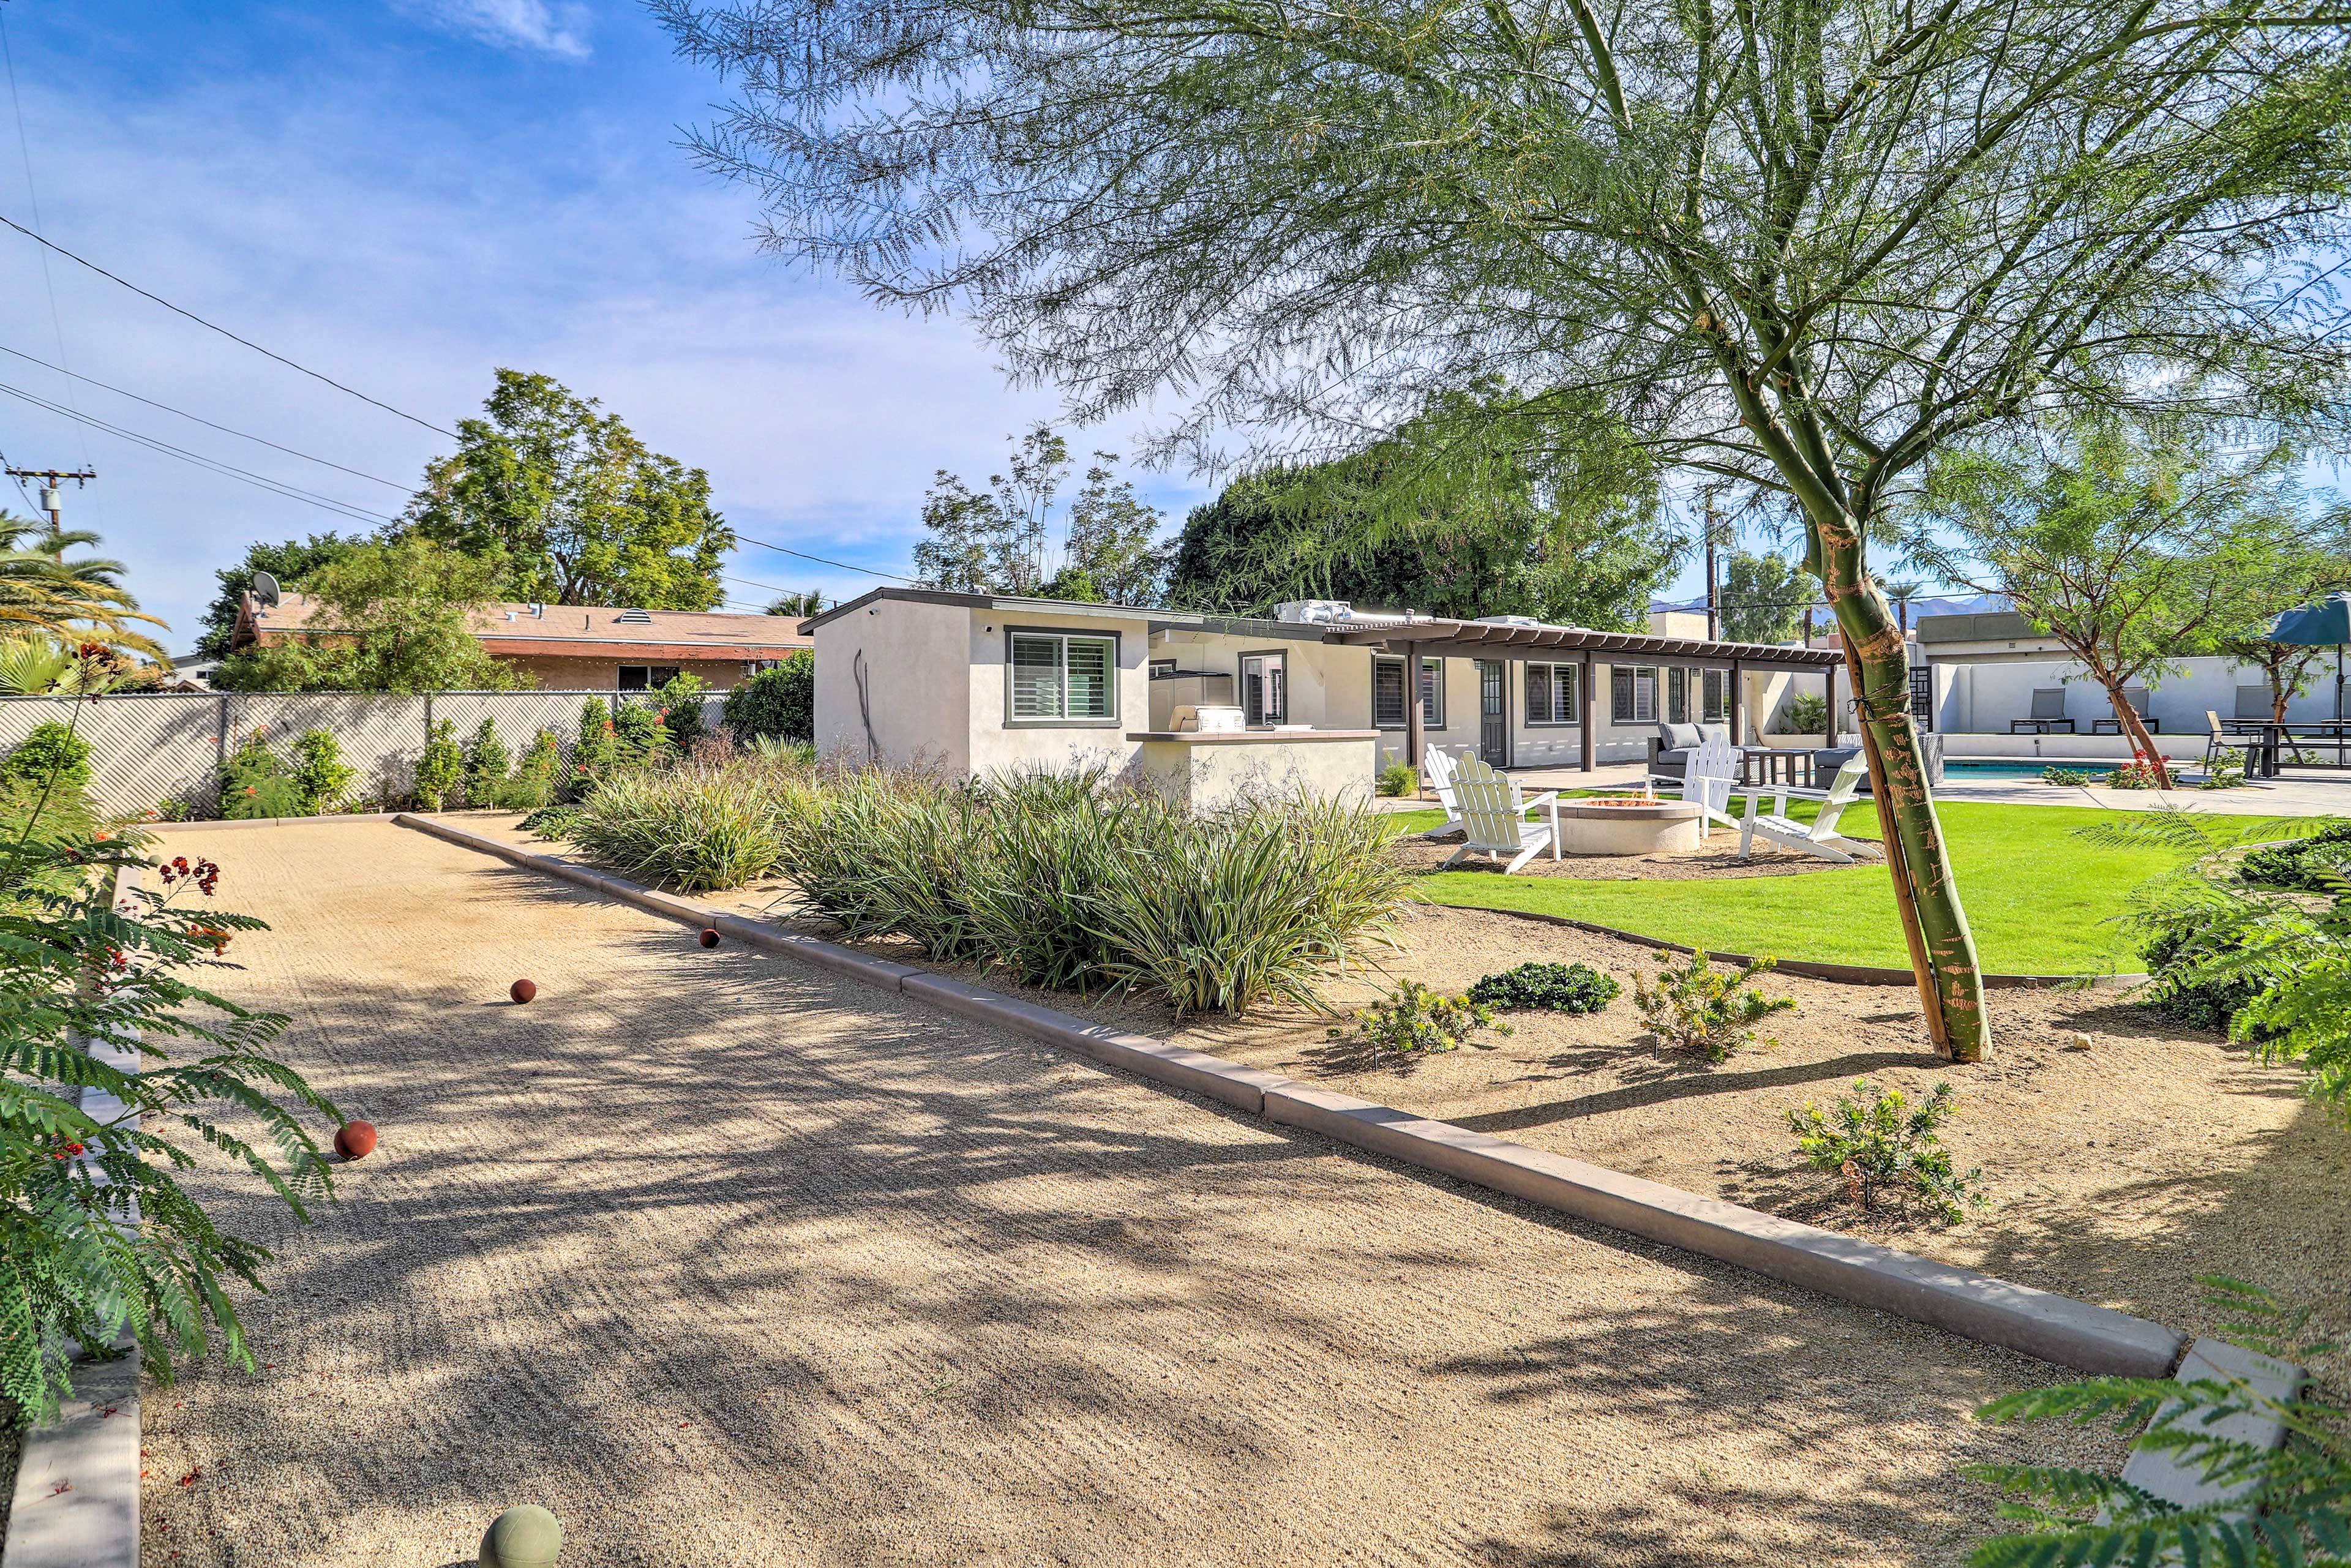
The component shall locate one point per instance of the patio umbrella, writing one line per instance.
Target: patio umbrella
(2326, 625)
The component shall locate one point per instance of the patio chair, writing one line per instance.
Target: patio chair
(2137, 697)
(1710, 774)
(1817, 837)
(1436, 766)
(2218, 742)
(1494, 818)
(2048, 714)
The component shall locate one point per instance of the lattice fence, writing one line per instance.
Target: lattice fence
(145, 750)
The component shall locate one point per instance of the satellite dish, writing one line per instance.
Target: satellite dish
(265, 589)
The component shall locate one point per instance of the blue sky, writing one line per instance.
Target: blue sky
(403, 196)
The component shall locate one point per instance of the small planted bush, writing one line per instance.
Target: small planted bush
(679, 703)
(1547, 988)
(1703, 1011)
(2075, 777)
(1396, 779)
(441, 769)
(694, 827)
(254, 784)
(598, 751)
(640, 736)
(51, 756)
(1888, 1150)
(488, 763)
(320, 776)
(779, 701)
(2303, 865)
(537, 775)
(1807, 713)
(1414, 1019)
(554, 822)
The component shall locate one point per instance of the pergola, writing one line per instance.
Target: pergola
(1416, 639)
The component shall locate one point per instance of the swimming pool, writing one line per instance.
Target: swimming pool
(1991, 767)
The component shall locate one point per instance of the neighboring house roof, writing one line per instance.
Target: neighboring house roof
(575, 631)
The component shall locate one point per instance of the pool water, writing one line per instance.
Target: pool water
(2001, 767)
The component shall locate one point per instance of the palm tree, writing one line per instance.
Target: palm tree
(796, 605)
(75, 599)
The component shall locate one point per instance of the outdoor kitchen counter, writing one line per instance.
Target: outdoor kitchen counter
(1207, 768)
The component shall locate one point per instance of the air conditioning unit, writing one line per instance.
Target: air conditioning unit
(1313, 612)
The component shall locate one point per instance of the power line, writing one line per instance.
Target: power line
(276, 487)
(224, 430)
(224, 331)
(803, 555)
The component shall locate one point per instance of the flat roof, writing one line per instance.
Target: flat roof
(1433, 635)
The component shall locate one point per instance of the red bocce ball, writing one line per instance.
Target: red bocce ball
(523, 990)
(355, 1140)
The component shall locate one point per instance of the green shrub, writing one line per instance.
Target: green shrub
(779, 701)
(1061, 880)
(598, 750)
(679, 704)
(101, 1236)
(1397, 778)
(1547, 988)
(640, 737)
(2224, 773)
(696, 827)
(1887, 1148)
(2301, 865)
(321, 778)
(1702, 1012)
(1807, 713)
(441, 769)
(51, 756)
(2140, 773)
(776, 748)
(1413, 1018)
(254, 784)
(2076, 777)
(537, 775)
(488, 763)
(552, 823)
(2175, 946)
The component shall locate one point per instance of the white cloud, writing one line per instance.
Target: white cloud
(535, 25)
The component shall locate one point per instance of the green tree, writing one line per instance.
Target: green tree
(1000, 540)
(321, 773)
(291, 563)
(2132, 543)
(76, 600)
(680, 702)
(576, 509)
(598, 750)
(1763, 599)
(390, 618)
(779, 701)
(1795, 245)
(440, 767)
(796, 605)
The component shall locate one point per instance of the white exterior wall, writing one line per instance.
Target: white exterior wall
(917, 659)
(996, 744)
(1982, 695)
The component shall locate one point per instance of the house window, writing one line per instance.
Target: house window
(1060, 677)
(1631, 694)
(1387, 693)
(1678, 695)
(1265, 688)
(1163, 669)
(646, 677)
(1715, 707)
(1551, 695)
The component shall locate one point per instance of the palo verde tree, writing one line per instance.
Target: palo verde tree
(2131, 543)
(1796, 244)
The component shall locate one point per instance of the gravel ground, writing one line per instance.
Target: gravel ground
(729, 1262)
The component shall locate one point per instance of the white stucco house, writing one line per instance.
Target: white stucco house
(975, 683)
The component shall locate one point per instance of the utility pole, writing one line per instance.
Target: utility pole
(52, 500)
(1713, 594)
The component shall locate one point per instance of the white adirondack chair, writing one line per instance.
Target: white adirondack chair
(1817, 837)
(1710, 774)
(1494, 817)
(1436, 766)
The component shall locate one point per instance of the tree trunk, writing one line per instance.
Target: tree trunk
(1917, 857)
(2135, 731)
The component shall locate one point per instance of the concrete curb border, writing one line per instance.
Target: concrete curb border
(2052, 1328)
(264, 821)
(76, 1503)
(2220, 1361)
(1841, 974)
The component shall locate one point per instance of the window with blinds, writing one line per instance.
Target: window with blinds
(1551, 695)
(1631, 694)
(1063, 677)
(1387, 693)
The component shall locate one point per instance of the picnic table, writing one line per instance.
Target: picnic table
(2270, 736)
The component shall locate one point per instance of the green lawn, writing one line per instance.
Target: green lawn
(2041, 898)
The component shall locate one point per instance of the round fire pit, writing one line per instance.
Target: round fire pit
(1627, 826)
